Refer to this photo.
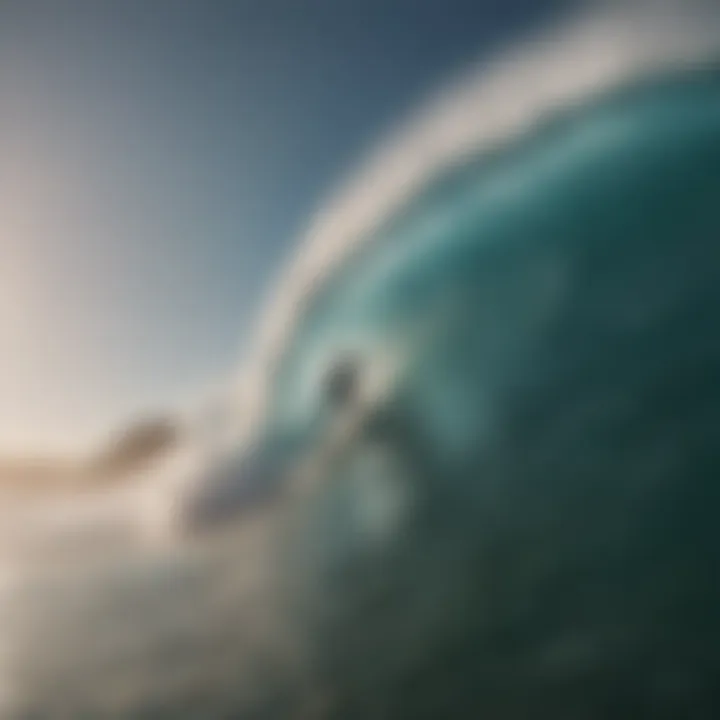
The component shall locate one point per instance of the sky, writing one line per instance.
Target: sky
(159, 161)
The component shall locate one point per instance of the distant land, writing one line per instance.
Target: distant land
(127, 452)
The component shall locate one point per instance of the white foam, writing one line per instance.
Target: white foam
(562, 64)
(559, 66)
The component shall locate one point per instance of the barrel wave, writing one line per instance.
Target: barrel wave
(477, 469)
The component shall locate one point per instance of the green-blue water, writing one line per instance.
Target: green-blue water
(554, 428)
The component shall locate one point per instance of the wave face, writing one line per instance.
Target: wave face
(474, 473)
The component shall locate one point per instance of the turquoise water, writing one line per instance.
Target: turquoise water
(553, 428)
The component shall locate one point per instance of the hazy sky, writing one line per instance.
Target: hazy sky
(157, 161)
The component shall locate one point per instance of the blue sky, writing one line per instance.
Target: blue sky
(158, 161)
